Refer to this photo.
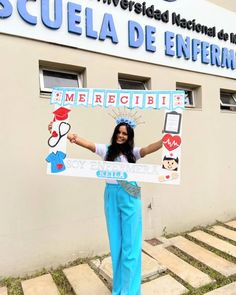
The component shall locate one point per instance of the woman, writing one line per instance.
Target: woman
(122, 208)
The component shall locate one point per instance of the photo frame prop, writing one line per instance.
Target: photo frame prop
(63, 99)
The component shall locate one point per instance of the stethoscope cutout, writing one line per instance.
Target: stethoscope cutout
(63, 129)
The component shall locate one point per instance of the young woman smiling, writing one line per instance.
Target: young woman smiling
(122, 204)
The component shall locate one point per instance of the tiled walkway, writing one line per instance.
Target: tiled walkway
(164, 273)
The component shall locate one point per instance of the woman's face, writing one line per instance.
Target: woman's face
(122, 135)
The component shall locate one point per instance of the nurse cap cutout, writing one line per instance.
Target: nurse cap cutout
(61, 114)
(170, 162)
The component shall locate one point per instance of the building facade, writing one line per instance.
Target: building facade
(189, 45)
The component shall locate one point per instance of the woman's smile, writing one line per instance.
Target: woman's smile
(122, 135)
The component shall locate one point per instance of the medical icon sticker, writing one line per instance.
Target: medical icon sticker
(171, 152)
(57, 141)
(63, 99)
(56, 136)
(57, 161)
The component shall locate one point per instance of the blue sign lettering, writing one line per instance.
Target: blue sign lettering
(73, 18)
(169, 43)
(150, 39)
(21, 7)
(195, 49)
(205, 52)
(228, 59)
(209, 53)
(89, 24)
(215, 55)
(5, 9)
(111, 174)
(182, 47)
(135, 34)
(52, 24)
(108, 29)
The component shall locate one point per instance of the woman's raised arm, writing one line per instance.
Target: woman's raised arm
(74, 138)
(151, 148)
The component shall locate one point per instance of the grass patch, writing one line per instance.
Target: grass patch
(62, 283)
(13, 286)
(212, 249)
(219, 280)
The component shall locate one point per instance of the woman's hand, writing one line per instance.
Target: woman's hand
(72, 137)
(50, 127)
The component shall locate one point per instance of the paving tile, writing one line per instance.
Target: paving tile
(165, 285)
(150, 268)
(231, 223)
(43, 285)
(182, 269)
(84, 281)
(104, 268)
(226, 290)
(214, 242)
(3, 291)
(205, 256)
(224, 232)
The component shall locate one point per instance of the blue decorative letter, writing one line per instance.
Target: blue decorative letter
(89, 24)
(135, 34)
(6, 9)
(56, 23)
(228, 58)
(108, 29)
(73, 18)
(182, 46)
(150, 39)
(215, 55)
(195, 49)
(169, 36)
(205, 52)
(21, 7)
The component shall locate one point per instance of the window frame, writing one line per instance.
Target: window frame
(47, 91)
(188, 106)
(133, 80)
(228, 105)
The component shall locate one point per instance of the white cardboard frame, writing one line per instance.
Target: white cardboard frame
(168, 172)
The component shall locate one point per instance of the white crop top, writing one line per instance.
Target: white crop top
(101, 150)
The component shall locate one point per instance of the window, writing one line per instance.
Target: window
(56, 78)
(189, 96)
(193, 95)
(227, 101)
(132, 84)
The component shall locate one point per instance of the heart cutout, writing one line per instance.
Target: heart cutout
(59, 166)
(167, 176)
(54, 134)
(171, 142)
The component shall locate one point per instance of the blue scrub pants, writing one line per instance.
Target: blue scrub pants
(124, 224)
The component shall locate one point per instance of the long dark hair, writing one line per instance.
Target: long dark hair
(114, 150)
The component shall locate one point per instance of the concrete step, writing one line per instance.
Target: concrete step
(165, 285)
(43, 285)
(84, 281)
(205, 256)
(231, 223)
(150, 268)
(224, 232)
(226, 290)
(214, 242)
(3, 291)
(182, 269)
